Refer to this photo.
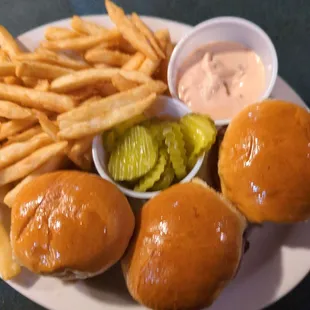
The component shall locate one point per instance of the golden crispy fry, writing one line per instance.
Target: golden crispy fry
(135, 76)
(163, 37)
(80, 43)
(16, 151)
(46, 56)
(150, 66)
(36, 99)
(12, 110)
(25, 135)
(7, 69)
(8, 267)
(4, 57)
(107, 120)
(82, 78)
(47, 126)
(55, 163)
(12, 80)
(59, 33)
(81, 146)
(110, 103)
(40, 70)
(29, 81)
(148, 34)
(163, 68)
(134, 62)
(102, 66)
(83, 93)
(86, 27)
(112, 58)
(106, 89)
(42, 85)
(91, 99)
(126, 47)
(122, 84)
(129, 31)
(111, 44)
(8, 44)
(30, 163)
(12, 127)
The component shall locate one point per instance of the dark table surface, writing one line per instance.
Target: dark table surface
(286, 21)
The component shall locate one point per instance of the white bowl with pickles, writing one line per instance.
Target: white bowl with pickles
(164, 146)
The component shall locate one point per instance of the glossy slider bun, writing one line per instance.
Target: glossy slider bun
(187, 246)
(264, 162)
(70, 224)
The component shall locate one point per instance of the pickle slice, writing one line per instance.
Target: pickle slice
(154, 175)
(176, 148)
(199, 133)
(134, 155)
(165, 180)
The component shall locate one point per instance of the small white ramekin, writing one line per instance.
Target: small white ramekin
(165, 106)
(226, 29)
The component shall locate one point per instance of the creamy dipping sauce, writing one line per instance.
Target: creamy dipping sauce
(220, 78)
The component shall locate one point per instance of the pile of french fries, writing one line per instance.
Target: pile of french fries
(78, 83)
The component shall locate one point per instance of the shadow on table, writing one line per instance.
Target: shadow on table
(109, 287)
(26, 279)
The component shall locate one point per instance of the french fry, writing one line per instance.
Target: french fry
(122, 84)
(78, 44)
(36, 99)
(150, 66)
(81, 146)
(134, 62)
(83, 93)
(163, 37)
(47, 126)
(40, 70)
(105, 121)
(82, 78)
(102, 66)
(112, 58)
(8, 44)
(106, 89)
(55, 163)
(42, 85)
(111, 44)
(129, 31)
(25, 135)
(59, 33)
(16, 151)
(30, 163)
(126, 47)
(7, 69)
(4, 57)
(46, 56)
(136, 76)
(12, 110)
(86, 27)
(12, 127)
(8, 267)
(113, 102)
(29, 81)
(148, 34)
(90, 100)
(12, 80)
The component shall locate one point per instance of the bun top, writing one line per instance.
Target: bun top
(187, 246)
(70, 220)
(264, 162)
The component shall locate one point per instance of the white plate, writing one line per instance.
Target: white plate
(278, 259)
